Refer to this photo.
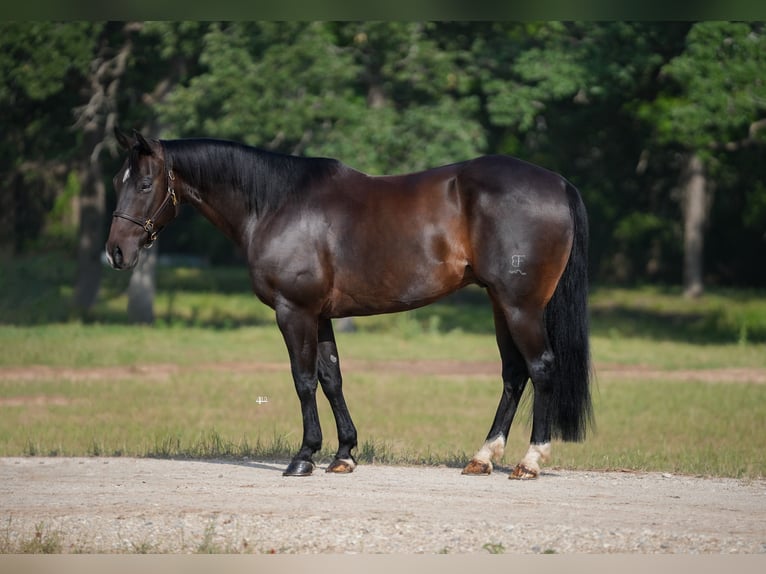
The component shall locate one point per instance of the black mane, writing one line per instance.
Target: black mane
(266, 179)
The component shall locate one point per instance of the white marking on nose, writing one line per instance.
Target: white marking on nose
(126, 175)
(109, 258)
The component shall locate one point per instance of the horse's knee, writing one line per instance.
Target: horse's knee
(306, 388)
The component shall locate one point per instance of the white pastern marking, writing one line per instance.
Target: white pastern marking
(491, 450)
(535, 454)
(126, 175)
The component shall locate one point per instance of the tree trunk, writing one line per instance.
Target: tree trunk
(344, 325)
(141, 289)
(96, 119)
(695, 203)
(91, 235)
(8, 217)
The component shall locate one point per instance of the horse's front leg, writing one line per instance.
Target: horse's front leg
(299, 330)
(332, 385)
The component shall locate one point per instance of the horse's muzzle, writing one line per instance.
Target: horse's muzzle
(116, 258)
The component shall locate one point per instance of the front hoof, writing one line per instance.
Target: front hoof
(341, 466)
(299, 468)
(478, 467)
(522, 472)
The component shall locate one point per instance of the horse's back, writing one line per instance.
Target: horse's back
(508, 175)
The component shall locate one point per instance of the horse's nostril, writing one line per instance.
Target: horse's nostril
(117, 257)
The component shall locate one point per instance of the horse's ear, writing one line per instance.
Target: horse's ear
(122, 139)
(143, 145)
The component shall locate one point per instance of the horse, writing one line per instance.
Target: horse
(323, 241)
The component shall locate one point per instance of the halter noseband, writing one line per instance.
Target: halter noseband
(149, 223)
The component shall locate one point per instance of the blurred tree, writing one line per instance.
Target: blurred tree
(564, 95)
(42, 66)
(128, 78)
(96, 120)
(413, 107)
(636, 114)
(376, 95)
(713, 101)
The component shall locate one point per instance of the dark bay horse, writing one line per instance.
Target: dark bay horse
(323, 240)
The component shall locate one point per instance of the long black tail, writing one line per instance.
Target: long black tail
(566, 320)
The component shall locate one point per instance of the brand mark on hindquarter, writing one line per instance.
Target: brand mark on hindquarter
(516, 261)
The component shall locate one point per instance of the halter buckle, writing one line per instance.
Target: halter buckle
(171, 191)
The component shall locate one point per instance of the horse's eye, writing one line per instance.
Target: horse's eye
(146, 185)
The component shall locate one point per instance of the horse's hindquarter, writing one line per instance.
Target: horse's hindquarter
(521, 226)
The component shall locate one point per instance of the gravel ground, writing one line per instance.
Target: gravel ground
(128, 505)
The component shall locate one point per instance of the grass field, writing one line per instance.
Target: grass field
(187, 386)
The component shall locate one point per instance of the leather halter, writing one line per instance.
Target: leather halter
(149, 223)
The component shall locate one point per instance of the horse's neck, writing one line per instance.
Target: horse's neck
(220, 208)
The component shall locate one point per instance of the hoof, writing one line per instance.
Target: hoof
(477, 467)
(341, 466)
(299, 468)
(522, 472)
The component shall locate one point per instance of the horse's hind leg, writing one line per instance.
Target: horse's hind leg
(328, 364)
(515, 376)
(528, 330)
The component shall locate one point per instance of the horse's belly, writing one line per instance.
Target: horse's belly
(394, 288)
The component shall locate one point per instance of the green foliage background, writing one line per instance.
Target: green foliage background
(613, 106)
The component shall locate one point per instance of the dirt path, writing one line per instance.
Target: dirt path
(131, 505)
(440, 367)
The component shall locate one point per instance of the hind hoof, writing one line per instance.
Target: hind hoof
(522, 472)
(299, 468)
(341, 466)
(477, 468)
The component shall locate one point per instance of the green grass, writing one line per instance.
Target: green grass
(203, 411)
(206, 318)
(691, 428)
(662, 314)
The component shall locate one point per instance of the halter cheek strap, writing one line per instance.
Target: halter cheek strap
(148, 223)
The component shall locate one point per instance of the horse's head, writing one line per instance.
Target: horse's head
(146, 200)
